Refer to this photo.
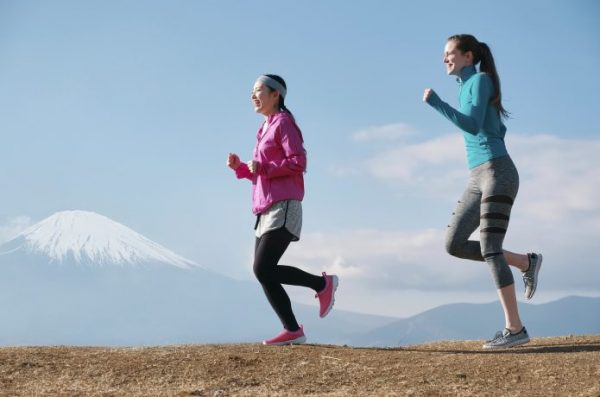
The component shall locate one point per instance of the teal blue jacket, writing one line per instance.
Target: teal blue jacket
(483, 130)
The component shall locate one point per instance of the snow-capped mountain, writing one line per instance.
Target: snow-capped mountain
(90, 238)
(80, 278)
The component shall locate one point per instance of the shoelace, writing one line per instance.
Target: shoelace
(498, 335)
(528, 276)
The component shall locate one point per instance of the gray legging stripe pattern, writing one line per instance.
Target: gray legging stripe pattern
(486, 203)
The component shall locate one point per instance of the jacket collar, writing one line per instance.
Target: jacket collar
(466, 73)
(265, 125)
(275, 116)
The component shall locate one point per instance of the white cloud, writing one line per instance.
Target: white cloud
(559, 177)
(395, 273)
(557, 212)
(383, 259)
(388, 132)
(13, 227)
(343, 171)
(432, 164)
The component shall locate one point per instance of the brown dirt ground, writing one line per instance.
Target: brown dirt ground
(562, 366)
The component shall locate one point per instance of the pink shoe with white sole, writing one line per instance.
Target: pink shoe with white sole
(287, 338)
(326, 296)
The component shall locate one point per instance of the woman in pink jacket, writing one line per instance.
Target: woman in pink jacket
(277, 174)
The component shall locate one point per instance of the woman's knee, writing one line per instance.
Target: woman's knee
(503, 277)
(453, 245)
(260, 272)
(264, 270)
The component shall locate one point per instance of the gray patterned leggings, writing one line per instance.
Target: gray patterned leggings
(486, 203)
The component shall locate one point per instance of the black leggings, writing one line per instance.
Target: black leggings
(269, 248)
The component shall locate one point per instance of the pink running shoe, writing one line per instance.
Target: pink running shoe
(326, 296)
(287, 338)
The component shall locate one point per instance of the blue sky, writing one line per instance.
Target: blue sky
(129, 108)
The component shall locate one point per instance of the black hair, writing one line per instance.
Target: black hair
(482, 55)
(282, 104)
(281, 81)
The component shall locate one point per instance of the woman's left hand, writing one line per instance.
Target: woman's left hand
(253, 166)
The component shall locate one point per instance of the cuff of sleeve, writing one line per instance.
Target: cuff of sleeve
(240, 172)
(434, 100)
(265, 169)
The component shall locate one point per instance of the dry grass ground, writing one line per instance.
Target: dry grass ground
(563, 366)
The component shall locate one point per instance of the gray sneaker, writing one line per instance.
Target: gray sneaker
(498, 335)
(504, 339)
(530, 277)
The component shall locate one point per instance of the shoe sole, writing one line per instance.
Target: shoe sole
(335, 285)
(297, 341)
(508, 345)
(537, 270)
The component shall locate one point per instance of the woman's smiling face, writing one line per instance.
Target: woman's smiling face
(264, 99)
(454, 59)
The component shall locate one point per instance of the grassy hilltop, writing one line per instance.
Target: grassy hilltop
(561, 366)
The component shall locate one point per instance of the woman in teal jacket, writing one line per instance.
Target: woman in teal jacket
(493, 181)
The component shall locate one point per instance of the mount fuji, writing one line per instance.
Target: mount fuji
(88, 238)
(80, 278)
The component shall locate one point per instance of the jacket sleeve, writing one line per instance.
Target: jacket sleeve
(243, 171)
(471, 117)
(294, 159)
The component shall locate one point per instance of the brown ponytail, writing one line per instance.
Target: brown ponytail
(482, 55)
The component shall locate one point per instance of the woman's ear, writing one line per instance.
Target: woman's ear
(469, 56)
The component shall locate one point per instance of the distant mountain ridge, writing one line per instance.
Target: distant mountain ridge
(79, 278)
(469, 321)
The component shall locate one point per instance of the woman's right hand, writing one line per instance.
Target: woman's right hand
(233, 161)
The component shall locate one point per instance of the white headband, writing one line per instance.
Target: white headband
(274, 84)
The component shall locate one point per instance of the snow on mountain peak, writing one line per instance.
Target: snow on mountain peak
(89, 237)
